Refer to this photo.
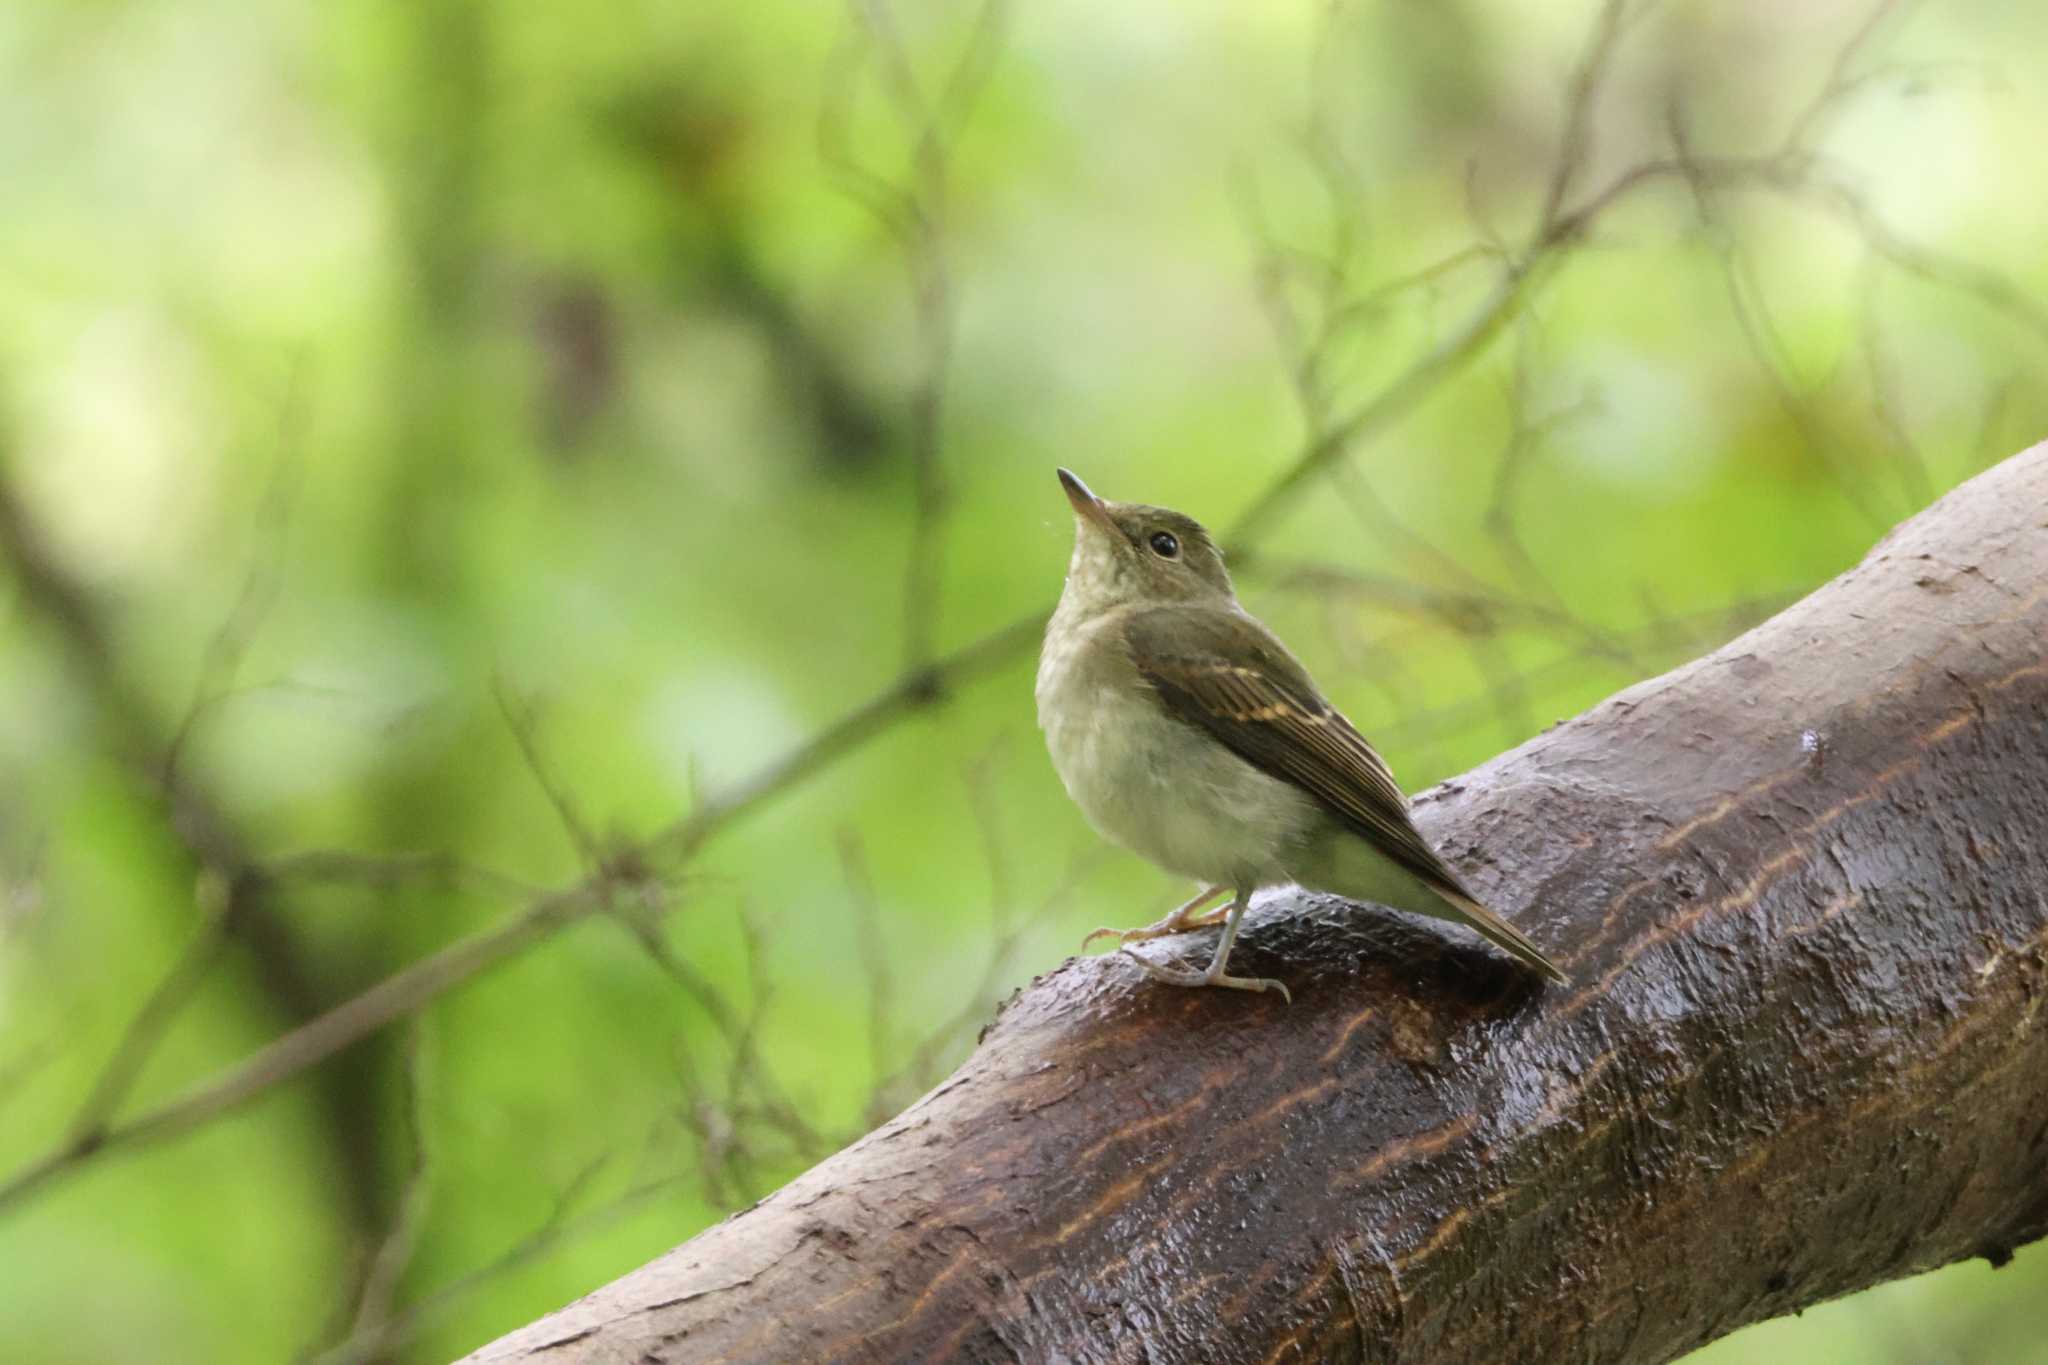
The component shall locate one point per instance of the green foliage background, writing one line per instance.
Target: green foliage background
(533, 349)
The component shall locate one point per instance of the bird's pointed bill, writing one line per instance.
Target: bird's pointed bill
(1086, 505)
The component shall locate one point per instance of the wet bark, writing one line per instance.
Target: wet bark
(1802, 887)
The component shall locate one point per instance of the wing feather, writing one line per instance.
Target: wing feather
(1226, 673)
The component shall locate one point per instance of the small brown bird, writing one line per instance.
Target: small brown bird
(1187, 733)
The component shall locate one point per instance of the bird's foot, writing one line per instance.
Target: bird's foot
(1213, 976)
(1180, 921)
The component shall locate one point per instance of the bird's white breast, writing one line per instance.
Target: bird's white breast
(1153, 783)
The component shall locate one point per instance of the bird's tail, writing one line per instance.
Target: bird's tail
(1500, 932)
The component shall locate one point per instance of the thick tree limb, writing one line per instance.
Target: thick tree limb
(1802, 885)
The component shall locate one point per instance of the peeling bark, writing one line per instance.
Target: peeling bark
(1802, 887)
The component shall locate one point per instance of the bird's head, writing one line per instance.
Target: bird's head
(1126, 553)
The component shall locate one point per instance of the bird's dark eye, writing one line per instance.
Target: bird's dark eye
(1164, 545)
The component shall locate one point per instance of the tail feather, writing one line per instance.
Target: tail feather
(1500, 932)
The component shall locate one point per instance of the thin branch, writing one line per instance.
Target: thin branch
(1376, 300)
(923, 1066)
(1840, 85)
(1396, 400)
(150, 1024)
(215, 848)
(413, 986)
(261, 585)
(1916, 487)
(525, 727)
(1792, 173)
(560, 1227)
(912, 691)
(389, 872)
(373, 1310)
(916, 215)
(1575, 147)
(1748, 303)
(391, 999)
(1664, 637)
(874, 957)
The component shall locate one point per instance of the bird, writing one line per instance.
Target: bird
(1189, 734)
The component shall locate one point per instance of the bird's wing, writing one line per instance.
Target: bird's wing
(1223, 671)
(1226, 673)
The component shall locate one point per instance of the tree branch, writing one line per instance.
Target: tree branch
(1798, 886)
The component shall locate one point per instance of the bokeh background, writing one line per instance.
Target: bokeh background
(446, 444)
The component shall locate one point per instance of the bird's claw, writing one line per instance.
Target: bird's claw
(1176, 923)
(1214, 976)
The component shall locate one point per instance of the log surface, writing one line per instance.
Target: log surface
(1801, 885)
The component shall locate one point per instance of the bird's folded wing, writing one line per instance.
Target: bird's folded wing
(1242, 686)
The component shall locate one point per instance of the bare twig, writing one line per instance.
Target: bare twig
(874, 958)
(923, 1066)
(1749, 304)
(1575, 147)
(260, 585)
(388, 872)
(1005, 930)
(1918, 490)
(374, 1301)
(1665, 636)
(913, 691)
(391, 999)
(561, 1226)
(151, 1023)
(1841, 84)
(915, 214)
(413, 986)
(525, 727)
(1792, 172)
(215, 848)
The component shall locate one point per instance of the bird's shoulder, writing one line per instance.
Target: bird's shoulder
(1224, 644)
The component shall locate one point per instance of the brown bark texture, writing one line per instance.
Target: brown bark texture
(1801, 886)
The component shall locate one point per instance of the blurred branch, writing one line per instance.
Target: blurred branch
(391, 999)
(216, 850)
(562, 1225)
(524, 725)
(260, 585)
(1526, 435)
(922, 1070)
(1472, 612)
(693, 147)
(1749, 305)
(152, 1022)
(910, 693)
(1841, 85)
(410, 988)
(387, 1263)
(874, 950)
(1664, 638)
(1575, 146)
(389, 872)
(1793, 171)
(893, 1088)
(916, 215)
(1884, 388)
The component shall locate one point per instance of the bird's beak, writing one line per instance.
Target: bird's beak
(1087, 506)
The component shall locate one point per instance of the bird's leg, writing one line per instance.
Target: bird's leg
(1180, 921)
(1214, 975)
